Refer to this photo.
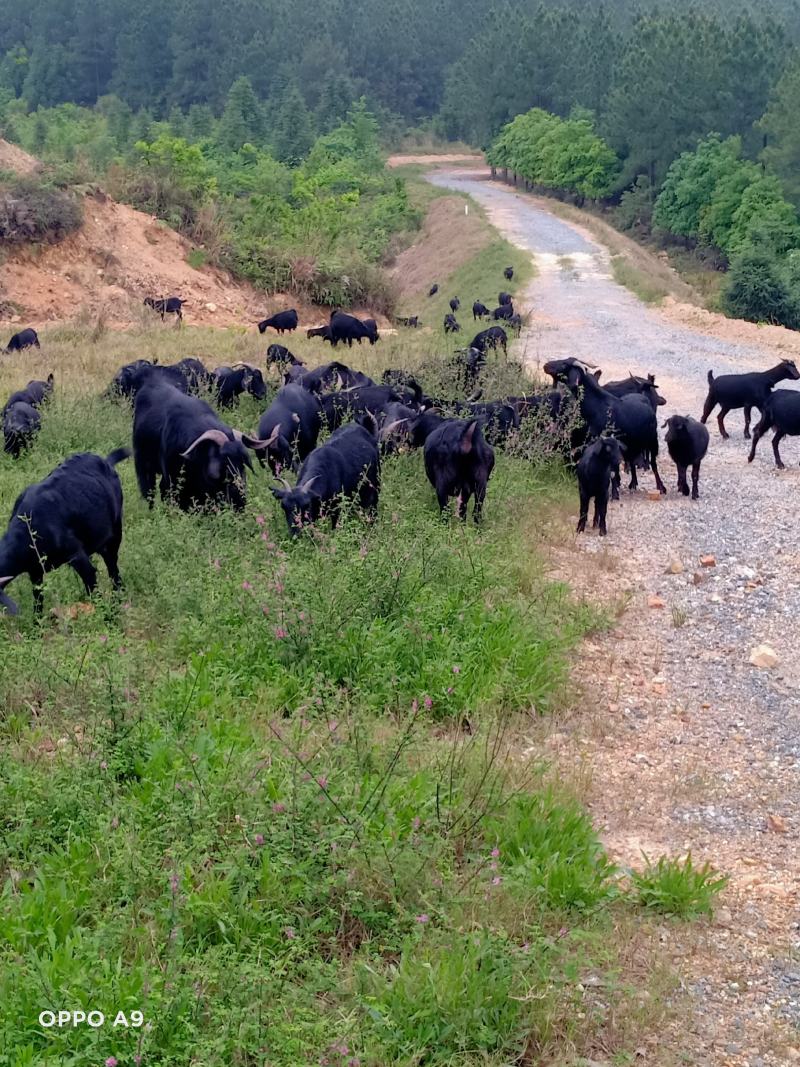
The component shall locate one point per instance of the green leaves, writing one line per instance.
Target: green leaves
(556, 153)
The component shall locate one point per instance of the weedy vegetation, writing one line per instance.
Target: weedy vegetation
(273, 796)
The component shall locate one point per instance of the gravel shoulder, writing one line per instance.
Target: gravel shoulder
(689, 746)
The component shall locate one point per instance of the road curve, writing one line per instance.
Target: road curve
(699, 749)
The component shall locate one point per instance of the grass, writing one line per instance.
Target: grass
(678, 887)
(272, 798)
(647, 285)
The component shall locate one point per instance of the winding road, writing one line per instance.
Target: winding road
(692, 747)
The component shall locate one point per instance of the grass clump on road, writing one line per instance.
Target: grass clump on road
(678, 887)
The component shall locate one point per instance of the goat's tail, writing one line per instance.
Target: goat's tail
(117, 456)
(710, 377)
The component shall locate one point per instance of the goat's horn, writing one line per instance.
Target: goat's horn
(209, 435)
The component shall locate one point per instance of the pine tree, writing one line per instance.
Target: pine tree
(292, 129)
(242, 120)
(781, 131)
(335, 99)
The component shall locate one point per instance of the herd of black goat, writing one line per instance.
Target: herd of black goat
(181, 442)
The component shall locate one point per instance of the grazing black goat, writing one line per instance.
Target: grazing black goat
(281, 355)
(450, 324)
(434, 289)
(24, 339)
(21, 424)
(281, 322)
(596, 468)
(171, 305)
(455, 304)
(182, 439)
(289, 427)
(321, 331)
(480, 311)
(746, 391)
(73, 513)
(508, 273)
(687, 444)
(231, 382)
(346, 465)
(782, 414)
(494, 337)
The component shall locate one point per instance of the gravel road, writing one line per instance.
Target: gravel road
(694, 748)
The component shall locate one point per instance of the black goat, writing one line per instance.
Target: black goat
(24, 339)
(411, 321)
(455, 304)
(471, 362)
(346, 465)
(687, 444)
(320, 331)
(508, 273)
(746, 391)
(434, 289)
(450, 324)
(21, 423)
(782, 414)
(282, 356)
(503, 312)
(73, 513)
(182, 439)
(596, 467)
(479, 311)
(35, 393)
(630, 418)
(503, 299)
(171, 305)
(289, 427)
(459, 463)
(281, 322)
(231, 382)
(494, 337)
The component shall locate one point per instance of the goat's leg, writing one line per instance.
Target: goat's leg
(776, 440)
(695, 481)
(721, 422)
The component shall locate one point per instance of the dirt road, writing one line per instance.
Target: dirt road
(689, 746)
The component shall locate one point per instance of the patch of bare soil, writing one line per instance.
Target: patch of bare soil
(431, 160)
(449, 238)
(117, 258)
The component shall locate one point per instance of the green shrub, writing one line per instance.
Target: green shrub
(33, 211)
(678, 888)
(757, 289)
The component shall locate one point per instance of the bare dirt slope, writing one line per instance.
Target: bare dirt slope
(689, 746)
(449, 237)
(16, 159)
(117, 258)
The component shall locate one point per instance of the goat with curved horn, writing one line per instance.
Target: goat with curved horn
(217, 436)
